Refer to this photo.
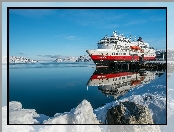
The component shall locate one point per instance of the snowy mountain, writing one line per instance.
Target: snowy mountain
(84, 58)
(15, 59)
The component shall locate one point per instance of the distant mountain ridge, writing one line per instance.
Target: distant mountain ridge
(16, 59)
(83, 58)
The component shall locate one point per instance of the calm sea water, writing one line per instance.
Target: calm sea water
(52, 88)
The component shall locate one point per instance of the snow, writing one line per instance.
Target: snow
(16, 59)
(82, 114)
(13, 128)
(17, 115)
(50, 128)
(75, 128)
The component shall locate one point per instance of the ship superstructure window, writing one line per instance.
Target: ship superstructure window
(124, 53)
(118, 46)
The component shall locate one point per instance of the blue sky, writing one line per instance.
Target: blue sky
(45, 34)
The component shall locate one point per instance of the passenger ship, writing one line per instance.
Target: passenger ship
(118, 48)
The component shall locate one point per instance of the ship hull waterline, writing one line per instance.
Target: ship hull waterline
(109, 60)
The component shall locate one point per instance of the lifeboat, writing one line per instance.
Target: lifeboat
(142, 78)
(135, 82)
(142, 51)
(135, 47)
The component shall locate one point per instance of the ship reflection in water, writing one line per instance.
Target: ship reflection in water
(117, 83)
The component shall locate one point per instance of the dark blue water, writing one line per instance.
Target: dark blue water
(52, 88)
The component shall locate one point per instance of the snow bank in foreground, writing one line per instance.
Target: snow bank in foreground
(53, 128)
(17, 115)
(133, 128)
(74, 128)
(82, 114)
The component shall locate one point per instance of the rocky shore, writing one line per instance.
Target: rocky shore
(129, 113)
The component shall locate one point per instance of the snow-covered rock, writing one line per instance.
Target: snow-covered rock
(129, 113)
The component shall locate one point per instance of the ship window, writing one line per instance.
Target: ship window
(124, 53)
(116, 53)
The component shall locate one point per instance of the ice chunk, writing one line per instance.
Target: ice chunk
(82, 114)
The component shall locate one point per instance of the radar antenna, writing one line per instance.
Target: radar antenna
(114, 33)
